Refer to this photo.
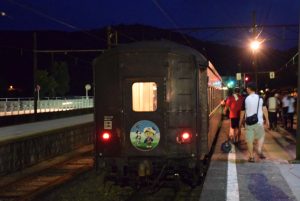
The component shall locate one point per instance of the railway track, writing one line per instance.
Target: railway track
(30, 186)
(178, 192)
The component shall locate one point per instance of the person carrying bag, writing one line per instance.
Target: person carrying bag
(254, 123)
(253, 119)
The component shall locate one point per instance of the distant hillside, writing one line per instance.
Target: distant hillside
(16, 53)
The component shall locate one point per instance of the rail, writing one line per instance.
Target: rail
(20, 106)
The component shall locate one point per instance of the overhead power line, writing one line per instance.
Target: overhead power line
(292, 60)
(66, 51)
(59, 21)
(233, 27)
(164, 13)
(170, 19)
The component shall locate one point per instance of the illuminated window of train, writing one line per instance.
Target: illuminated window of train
(144, 96)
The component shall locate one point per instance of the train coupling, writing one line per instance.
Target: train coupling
(144, 168)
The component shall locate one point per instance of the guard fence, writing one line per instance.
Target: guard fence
(20, 106)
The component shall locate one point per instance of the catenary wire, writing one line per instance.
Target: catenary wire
(59, 21)
(170, 19)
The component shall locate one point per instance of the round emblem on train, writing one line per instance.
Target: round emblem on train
(144, 135)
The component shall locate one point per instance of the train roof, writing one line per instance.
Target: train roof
(164, 45)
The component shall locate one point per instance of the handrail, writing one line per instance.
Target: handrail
(20, 106)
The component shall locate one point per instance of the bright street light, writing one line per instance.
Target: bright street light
(4, 14)
(255, 45)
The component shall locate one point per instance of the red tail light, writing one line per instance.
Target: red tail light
(106, 136)
(184, 137)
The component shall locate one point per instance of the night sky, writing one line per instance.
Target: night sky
(83, 15)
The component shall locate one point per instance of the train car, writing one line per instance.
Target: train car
(157, 110)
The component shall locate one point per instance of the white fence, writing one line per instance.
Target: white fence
(19, 106)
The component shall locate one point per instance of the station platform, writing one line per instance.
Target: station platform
(231, 177)
(24, 130)
(30, 147)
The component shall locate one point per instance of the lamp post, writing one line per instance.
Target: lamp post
(298, 108)
(255, 46)
(35, 100)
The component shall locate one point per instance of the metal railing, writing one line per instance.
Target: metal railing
(20, 106)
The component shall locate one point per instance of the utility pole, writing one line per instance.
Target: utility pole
(254, 62)
(35, 75)
(110, 36)
(298, 105)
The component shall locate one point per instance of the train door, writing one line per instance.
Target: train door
(143, 116)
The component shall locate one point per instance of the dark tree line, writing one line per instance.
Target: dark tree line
(55, 82)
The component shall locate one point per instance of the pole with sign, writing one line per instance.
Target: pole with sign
(87, 88)
(272, 75)
(239, 78)
(38, 88)
(298, 108)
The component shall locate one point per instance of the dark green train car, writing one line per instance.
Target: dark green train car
(157, 110)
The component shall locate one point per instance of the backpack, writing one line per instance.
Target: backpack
(226, 146)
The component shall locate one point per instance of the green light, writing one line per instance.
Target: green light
(230, 84)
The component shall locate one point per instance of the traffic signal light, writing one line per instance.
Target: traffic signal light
(247, 78)
(230, 84)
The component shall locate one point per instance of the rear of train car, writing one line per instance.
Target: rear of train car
(157, 110)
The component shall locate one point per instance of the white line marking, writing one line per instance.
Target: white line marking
(232, 180)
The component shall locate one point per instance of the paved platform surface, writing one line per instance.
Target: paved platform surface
(23, 130)
(231, 177)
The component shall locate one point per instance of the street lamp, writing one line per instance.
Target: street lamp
(11, 88)
(87, 88)
(255, 45)
(4, 14)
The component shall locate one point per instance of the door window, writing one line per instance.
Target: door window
(144, 96)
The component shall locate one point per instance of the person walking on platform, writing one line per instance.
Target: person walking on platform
(285, 107)
(253, 110)
(273, 105)
(291, 112)
(234, 105)
(279, 108)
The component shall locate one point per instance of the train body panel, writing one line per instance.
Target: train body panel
(151, 99)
